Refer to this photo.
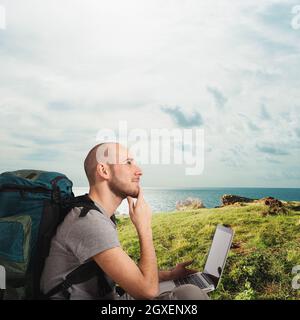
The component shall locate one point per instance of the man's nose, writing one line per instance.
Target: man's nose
(139, 171)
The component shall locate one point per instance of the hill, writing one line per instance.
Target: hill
(264, 251)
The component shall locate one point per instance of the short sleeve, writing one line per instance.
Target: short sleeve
(91, 235)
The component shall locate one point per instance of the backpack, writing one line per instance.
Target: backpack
(32, 205)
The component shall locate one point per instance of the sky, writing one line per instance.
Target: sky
(231, 68)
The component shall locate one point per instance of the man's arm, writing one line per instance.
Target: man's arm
(148, 262)
(140, 281)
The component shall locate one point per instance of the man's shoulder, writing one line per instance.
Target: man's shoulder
(92, 219)
(75, 229)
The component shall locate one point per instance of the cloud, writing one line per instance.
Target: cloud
(292, 174)
(40, 140)
(102, 62)
(277, 15)
(264, 114)
(59, 106)
(43, 154)
(219, 98)
(274, 161)
(250, 124)
(271, 149)
(182, 120)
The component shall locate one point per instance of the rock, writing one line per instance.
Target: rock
(275, 206)
(228, 199)
(189, 204)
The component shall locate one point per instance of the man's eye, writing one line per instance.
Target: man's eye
(129, 162)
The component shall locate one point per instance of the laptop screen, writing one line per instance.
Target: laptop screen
(218, 252)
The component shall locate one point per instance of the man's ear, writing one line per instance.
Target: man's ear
(102, 170)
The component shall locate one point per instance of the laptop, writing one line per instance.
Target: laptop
(207, 280)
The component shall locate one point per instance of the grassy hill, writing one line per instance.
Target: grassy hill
(264, 251)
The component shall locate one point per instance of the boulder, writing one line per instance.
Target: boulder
(228, 199)
(189, 204)
(275, 206)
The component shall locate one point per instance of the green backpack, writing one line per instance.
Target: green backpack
(32, 205)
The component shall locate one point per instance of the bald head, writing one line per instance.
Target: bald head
(90, 164)
(107, 153)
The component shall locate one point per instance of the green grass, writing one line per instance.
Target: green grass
(259, 265)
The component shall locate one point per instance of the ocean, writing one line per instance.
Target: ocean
(165, 199)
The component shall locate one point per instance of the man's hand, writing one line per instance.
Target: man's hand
(140, 213)
(180, 270)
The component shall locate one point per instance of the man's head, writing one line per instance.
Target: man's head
(112, 164)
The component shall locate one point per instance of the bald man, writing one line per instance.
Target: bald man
(113, 176)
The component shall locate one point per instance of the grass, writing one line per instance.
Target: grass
(259, 265)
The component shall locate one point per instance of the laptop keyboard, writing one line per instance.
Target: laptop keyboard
(193, 279)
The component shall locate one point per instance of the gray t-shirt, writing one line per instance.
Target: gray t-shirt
(76, 241)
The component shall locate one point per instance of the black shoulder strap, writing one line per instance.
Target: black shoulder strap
(87, 204)
(81, 274)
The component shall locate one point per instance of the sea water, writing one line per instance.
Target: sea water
(165, 199)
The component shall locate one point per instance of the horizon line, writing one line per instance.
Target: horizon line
(219, 187)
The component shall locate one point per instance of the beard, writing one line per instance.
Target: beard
(123, 190)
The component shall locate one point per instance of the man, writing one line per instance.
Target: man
(113, 176)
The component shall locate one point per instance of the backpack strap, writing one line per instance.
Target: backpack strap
(89, 269)
(81, 274)
(86, 203)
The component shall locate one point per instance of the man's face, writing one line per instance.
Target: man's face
(125, 174)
